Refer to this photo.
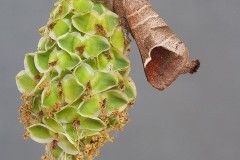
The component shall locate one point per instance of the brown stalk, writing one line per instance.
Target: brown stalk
(164, 55)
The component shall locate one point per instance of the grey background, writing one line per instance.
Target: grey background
(197, 118)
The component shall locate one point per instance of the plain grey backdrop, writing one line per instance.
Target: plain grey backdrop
(197, 118)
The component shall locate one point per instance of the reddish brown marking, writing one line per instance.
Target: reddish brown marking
(52, 64)
(57, 106)
(131, 103)
(103, 103)
(51, 25)
(108, 56)
(100, 30)
(121, 86)
(60, 93)
(26, 135)
(60, 10)
(59, 84)
(80, 49)
(88, 87)
(47, 93)
(76, 124)
(54, 145)
(37, 77)
(40, 114)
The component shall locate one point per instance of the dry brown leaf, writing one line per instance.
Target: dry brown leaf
(164, 55)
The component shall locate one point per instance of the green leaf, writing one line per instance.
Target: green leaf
(91, 107)
(113, 60)
(64, 73)
(50, 96)
(113, 120)
(88, 133)
(42, 30)
(60, 28)
(70, 41)
(44, 79)
(96, 45)
(54, 75)
(45, 43)
(82, 6)
(99, 8)
(67, 61)
(40, 133)
(66, 145)
(41, 61)
(125, 72)
(86, 23)
(71, 157)
(36, 104)
(76, 103)
(92, 124)
(105, 61)
(71, 89)
(120, 60)
(117, 39)
(53, 57)
(103, 81)
(67, 115)
(25, 83)
(84, 73)
(89, 46)
(53, 124)
(61, 10)
(71, 132)
(92, 62)
(56, 152)
(116, 100)
(109, 22)
(61, 60)
(29, 65)
(130, 89)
